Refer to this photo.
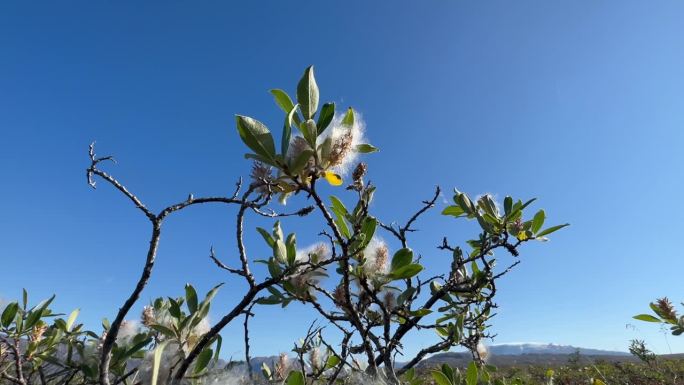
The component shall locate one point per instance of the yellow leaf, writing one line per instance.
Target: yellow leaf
(598, 382)
(332, 178)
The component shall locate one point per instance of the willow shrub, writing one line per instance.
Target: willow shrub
(371, 292)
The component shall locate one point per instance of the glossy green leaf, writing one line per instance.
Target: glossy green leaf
(440, 378)
(401, 258)
(283, 100)
(365, 148)
(508, 205)
(309, 131)
(538, 221)
(348, 119)
(72, 318)
(291, 246)
(307, 93)
(368, 230)
(280, 251)
(191, 298)
(163, 330)
(338, 205)
(9, 313)
(266, 371)
(37, 312)
(647, 318)
(266, 235)
(449, 372)
(551, 230)
(332, 361)
(325, 117)
(407, 271)
(203, 360)
(156, 362)
(174, 309)
(256, 136)
(471, 374)
(454, 211)
(295, 378)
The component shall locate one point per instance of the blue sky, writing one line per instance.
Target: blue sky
(578, 103)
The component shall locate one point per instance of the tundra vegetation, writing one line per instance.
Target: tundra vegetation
(370, 294)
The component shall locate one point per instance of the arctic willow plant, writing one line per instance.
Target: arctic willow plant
(666, 314)
(373, 292)
(376, 296)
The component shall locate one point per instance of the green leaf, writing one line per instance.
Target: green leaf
(219, 342)
(273, 267)
(266, 371)
(647, 318)
(551, 230)
(266, 235)
(310, 132)
(325, 117)
(9, 313)
(137, 347)
(471, 374)
(174, 309)
(270, 300)
(211, 294)
(307, 93)
(421, 312)
(401, 258)
(291, 246)
(287, 134)
(466, 204)
(440, 378)
(404, 296)
(348, 119)
(72, 318)
(278, 231)
(340, 214)
(37, 312)
(264, 160)
(203, 360)
(191, 298)
(163, 330)
(338, 205)
(157, 361)
(280, 251)
(454, 211)
(508, 205)
(256, 136)
(332, 361)
(283, 100)
(446, 369)
(342, 226)
(486, 226)
(365, 148)
(368, 230)
(538, 221)
(295, 378)
(407, 271)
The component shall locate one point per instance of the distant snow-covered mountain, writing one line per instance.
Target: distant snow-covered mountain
(502, 354)
(527, 354)
(539, 348)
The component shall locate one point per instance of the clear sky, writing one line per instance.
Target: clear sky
(579, 103)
